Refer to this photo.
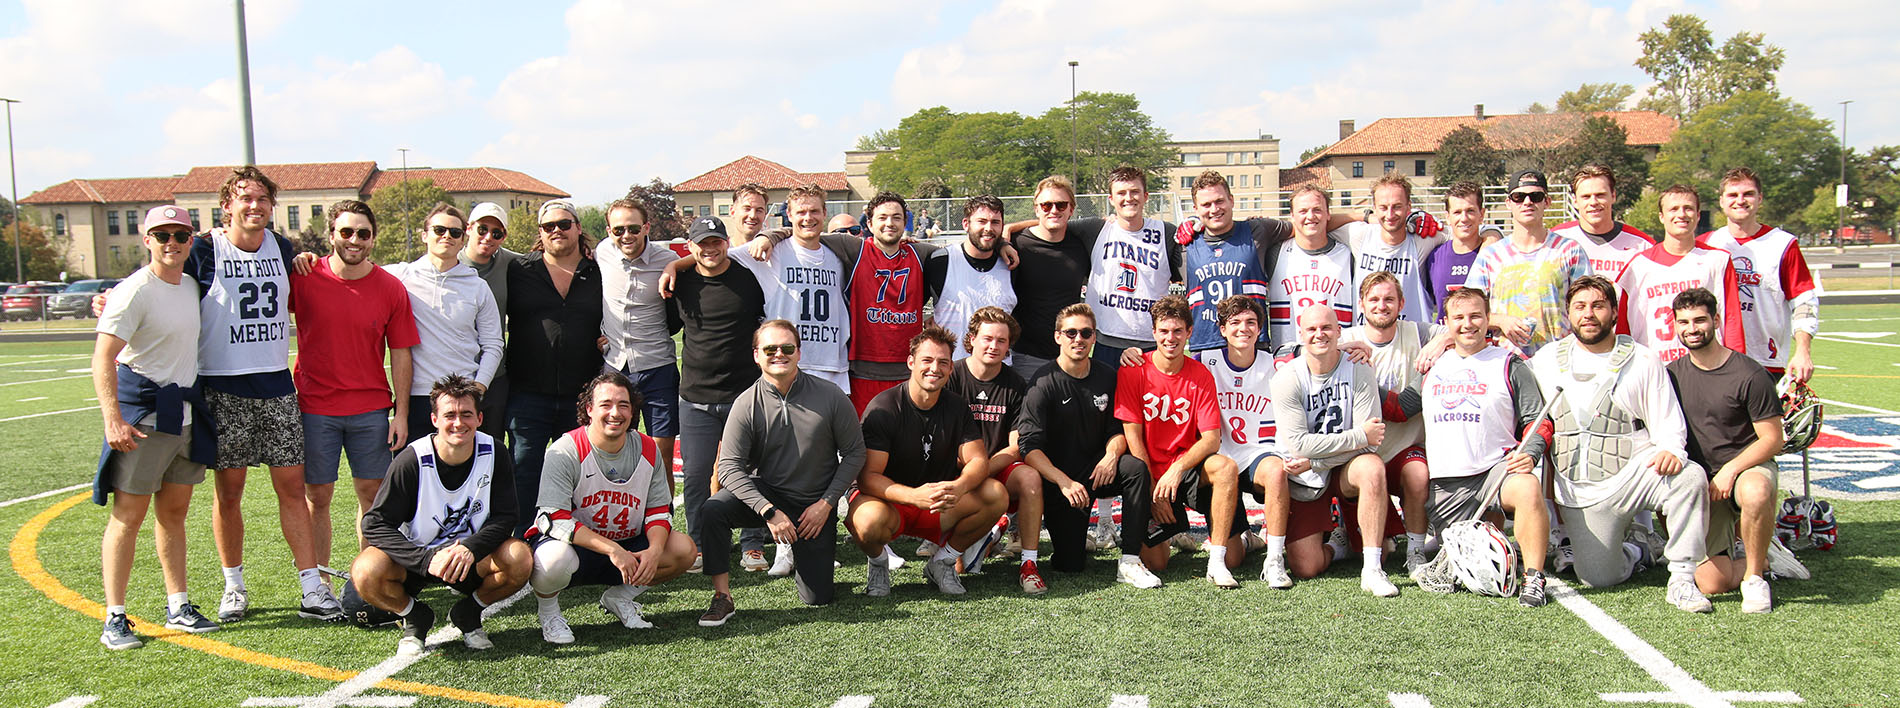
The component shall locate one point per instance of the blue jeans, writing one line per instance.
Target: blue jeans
(533, 421)
(701, 426)
(364, 436)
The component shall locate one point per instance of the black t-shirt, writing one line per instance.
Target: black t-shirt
(1048, 277)
(718, 315)
(1070, 420)
(995, 404)
(1721, 406)
(922, 443)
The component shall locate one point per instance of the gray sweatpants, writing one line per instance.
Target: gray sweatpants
(1596, 532)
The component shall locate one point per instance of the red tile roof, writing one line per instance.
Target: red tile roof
(1403, 136)
(106, 191)
(1317, 176)
(766, 173)
(289, 178)
(468, 179)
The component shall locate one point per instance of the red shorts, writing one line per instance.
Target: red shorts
(863, 390)
(1003, 479)
(1316, 516)
(915, 522)
(1399, 461)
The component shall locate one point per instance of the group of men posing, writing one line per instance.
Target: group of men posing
(1053, 372)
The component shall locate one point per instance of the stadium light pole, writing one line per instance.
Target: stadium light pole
(13, 175)
(1840, 202)
(409, 238)
(244, 87)
(1075, 155)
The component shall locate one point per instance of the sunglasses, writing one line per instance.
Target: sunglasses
(777, 349)
(628, 230)
(172, 236)
(1083, 333)
(1532, 197)
(853, 230)
(1053, 206)
(447, 231)
(553, 226)
(348, 234)
(484, 230)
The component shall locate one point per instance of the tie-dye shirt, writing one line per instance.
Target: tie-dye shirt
(1531, 283)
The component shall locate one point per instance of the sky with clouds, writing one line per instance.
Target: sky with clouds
(599, 94)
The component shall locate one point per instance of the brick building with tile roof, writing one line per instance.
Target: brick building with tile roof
(95, 221)
(711, 193)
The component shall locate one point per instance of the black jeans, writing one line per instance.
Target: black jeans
(1069, 526)
(811, 558)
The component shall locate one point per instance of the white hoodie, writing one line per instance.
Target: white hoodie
(457, 319)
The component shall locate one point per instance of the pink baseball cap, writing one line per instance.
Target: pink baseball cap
(167, 215)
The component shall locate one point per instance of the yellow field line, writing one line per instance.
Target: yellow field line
(24, 551)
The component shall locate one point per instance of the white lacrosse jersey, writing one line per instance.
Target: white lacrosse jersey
(1302, 279)
(1772, 279)
(1245, 397)
(1647, 290)
(1607, 257)
(244, 316)
(627, 508)
(444, 516)
(1469, 415)
(966, 290)
(1128, 272)
(1395, 363)
(1406, 261)
(806, 287)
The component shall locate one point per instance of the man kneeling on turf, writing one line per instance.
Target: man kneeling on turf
(603, 513)
(1484, 440)
(444, 515)
(926, 472)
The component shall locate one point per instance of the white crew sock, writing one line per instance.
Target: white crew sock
(310, 579)
(1130, 558)
(547, 605)
(115, 610)
(1414, 540)
(234, 577)
(1276, 546)
(883, 556)
(177, 600)
(945, 551)
(407, 608)
(1216, 556)
(1030, 555)
(1373, 556)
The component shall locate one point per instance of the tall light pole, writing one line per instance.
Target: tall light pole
(1075, 155)
(409, 238)
(19, 267)
(1840, 198)
(244, 87)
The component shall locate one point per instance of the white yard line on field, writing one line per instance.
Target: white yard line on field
(1408, 700)
(56, 378)
(42, 495)
(75, 702)
(1682, 687)
(1881, 411)
(42, 415)
(1857, 341)
(31, 362)
(854, 702)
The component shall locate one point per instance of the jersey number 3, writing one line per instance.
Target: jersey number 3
(1168, 408)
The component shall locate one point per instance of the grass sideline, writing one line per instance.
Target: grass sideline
(1323, 643)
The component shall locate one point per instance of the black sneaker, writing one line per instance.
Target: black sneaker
(719, 611)
(189, 619)
(466, 615)
(118, 634)
(1531, 593)
(321, 605)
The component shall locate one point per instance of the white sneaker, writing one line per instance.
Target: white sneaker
(1273, 573)
(1687, 597)
(477, 640)
(699, 564)
(235, 602)
(1373, 580)
(1103, 537)
(943, 572)
(1337, 542)
(618, 601)
(1220, 576)
(781, 561)
(410, 646)
(1131, 571)
(752, 561)
(1566, 558)
(877, 578)
(1252, 541)
(1756, 597)
(554, 628)
(1781, 561)
(927, 549)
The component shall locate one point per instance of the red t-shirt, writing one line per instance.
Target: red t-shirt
(342, 329)
(1173, 410)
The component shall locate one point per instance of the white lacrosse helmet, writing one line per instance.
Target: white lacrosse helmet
(1801, 415)
(1482, 558)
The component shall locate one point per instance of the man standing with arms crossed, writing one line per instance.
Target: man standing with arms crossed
(633, 320)
(347, 311)
(144, 369)
(1781, 300)
(1526, 274)
(1657, 275)
(1609, 243)
(554, 308)
(792, 446)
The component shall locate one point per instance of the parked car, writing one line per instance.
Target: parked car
(76, 300)
(26, 302)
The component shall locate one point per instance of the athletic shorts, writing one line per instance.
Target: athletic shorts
(256, 431)
(1305, 518)
(1194, 494)
(1398, 462)
(414, 582)
(364, 436)
(1003, 479)
(1455, 499)
(160, 459)
(595, 568)
(1726, 515)
(912, 521)
(863, 390)
(1246, 473)
(659, 389)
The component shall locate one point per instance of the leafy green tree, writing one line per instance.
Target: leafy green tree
(1791, 150)
(1537, 107)
(1873, 193)
(1111, 131)
(1308, 153)
(1464, 154)
(1692, 73)
(37, 252)
(657, 195)
(1645, 212)
(1589, 97)
(6, 211)
(967, 153)
(524, 233)
(1603, 141)
(400, 209)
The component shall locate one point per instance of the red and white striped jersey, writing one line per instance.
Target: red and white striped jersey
(1301, 279)
(627, 508)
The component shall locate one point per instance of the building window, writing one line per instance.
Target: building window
(1256, 157)
(725, 210)
(194, 219)
(132, 222)
(1187, 182)
(59, 224)
(1358, 168)
(217, 217)
(112, 223)
(687, 211)
(1190, 158)
(294, 225)
(115, 257)
(316, 215)
(1418, 168)
(1390, 166)
(1256, 180)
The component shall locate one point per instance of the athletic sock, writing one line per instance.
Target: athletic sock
(1645, 519)
(310, 579)
(115, 610)
(407, 608)
(1373, 556)
(1276, 546)
(547, 605)
(1030, 555)
(478, 600)
(1104, 511)
(1634, 553)
(234, 577)
(177, 600)
(1130, 558)
(1684, 569)
(944, 551)
(883, 555)
(1414, 540)
(1216, 556)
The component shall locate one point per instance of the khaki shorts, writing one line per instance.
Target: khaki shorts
(160, 459)
(1725, 516)
(1455, 499)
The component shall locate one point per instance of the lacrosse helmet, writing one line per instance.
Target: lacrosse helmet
(1482, 558)
(1801, 415)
